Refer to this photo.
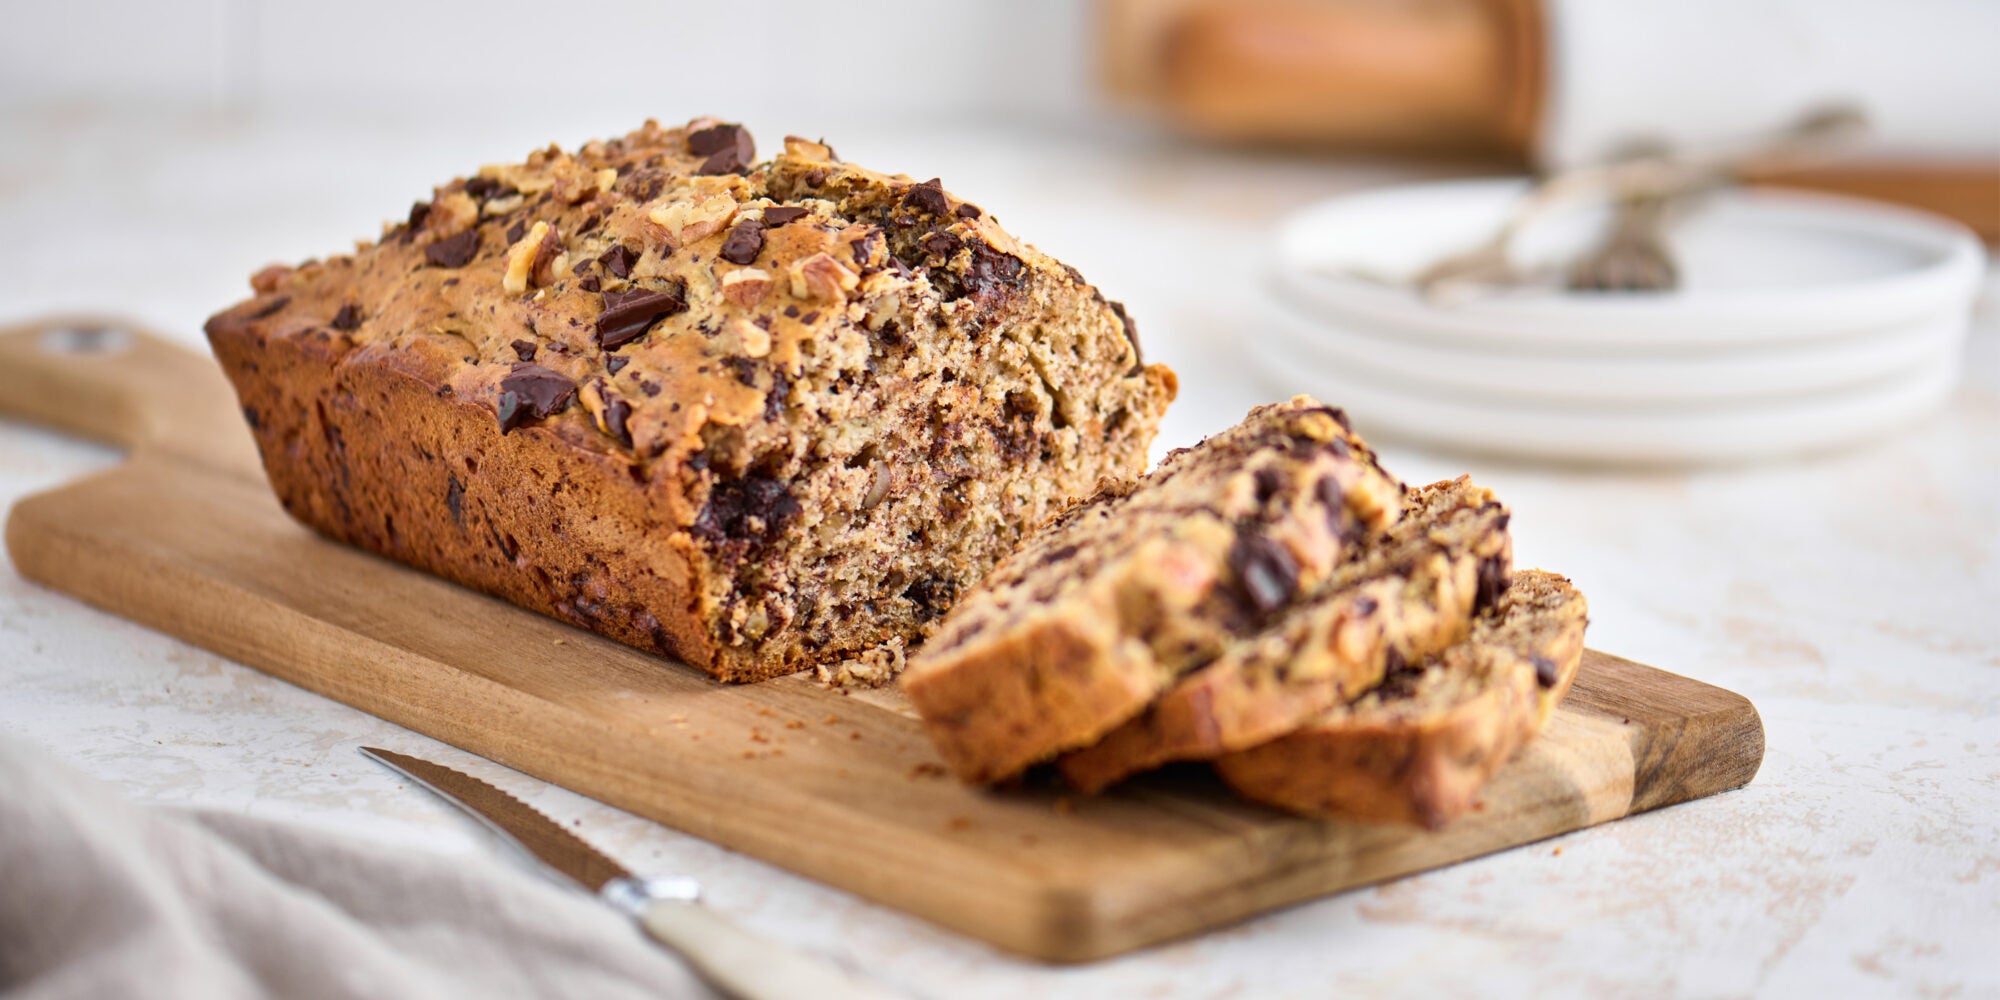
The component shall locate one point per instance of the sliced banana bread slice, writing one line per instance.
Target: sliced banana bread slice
(1418, 748)
(1107, 604)
(1407, 593)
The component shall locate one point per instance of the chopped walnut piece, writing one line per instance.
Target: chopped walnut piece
(526, 178)
(746, 286)
(822, 277)
(806, 149)
(747, 338)
(528, 259)
(502, 205)
(691, 219)
(450, 215)
(266, 281)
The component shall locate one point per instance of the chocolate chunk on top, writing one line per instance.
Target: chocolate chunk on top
(617, 417)
(348, 318)
(627, 315)
(525, 349)
(778, 215)
(487, 187)
(744, 243)
(619, 260)
(541, 391)
(928, 197)
(729, 149)
(454, 251)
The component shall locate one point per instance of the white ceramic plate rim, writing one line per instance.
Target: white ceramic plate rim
(1784, 371)
(1612, 323)
(1722, 435)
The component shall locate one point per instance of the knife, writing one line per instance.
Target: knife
(729, 958)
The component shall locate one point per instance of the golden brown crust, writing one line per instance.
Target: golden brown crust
(704, 406)
(1421, 755)
(1407, 595)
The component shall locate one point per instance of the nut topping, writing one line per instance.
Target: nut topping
(823, 278)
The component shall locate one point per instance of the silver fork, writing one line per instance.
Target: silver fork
(1644, 182)
(1634, 255)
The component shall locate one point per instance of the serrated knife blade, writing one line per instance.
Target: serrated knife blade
(733, 960)
(520, 823)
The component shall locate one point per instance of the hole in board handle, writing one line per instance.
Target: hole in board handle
(85, 340)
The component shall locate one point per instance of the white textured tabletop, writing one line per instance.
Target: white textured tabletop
(1854, 598)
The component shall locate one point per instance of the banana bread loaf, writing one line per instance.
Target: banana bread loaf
(1418, 748)
(1399, 597)
(755, 416)
(1107, 605)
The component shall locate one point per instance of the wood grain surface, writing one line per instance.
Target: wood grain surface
(186, 538)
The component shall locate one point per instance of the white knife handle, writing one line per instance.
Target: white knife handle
(745, 965)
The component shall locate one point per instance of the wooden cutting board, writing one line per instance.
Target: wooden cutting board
(186, 538)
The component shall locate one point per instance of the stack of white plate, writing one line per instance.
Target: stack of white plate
(1802, 323)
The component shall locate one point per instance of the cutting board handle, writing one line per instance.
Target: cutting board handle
(110, 380)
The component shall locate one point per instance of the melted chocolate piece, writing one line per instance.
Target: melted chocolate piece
(928, 197)
(628, 315)
(778, 215)
(729, 149)
(939, 244)
(348, 318)
(1269, 482)
(1266, 573)
(487, 187)
(511, 411)
(454, 251)
(539, 392)
(454, 498)
(616, 414)
(271, 307)
(524, 349)
(1545, 671)
(619, 260)
(932, 595)
(1131, 332)
(1492, 581)
(752, 509)
(744, 243)
(993, 272)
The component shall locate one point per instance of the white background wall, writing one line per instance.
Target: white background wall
(520, 58)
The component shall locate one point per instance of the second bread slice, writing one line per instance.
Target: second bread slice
(1408, 593)
(1419, 748)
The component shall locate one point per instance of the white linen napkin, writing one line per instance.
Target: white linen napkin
(100, 897)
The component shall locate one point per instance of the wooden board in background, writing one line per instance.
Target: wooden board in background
(185, 537)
